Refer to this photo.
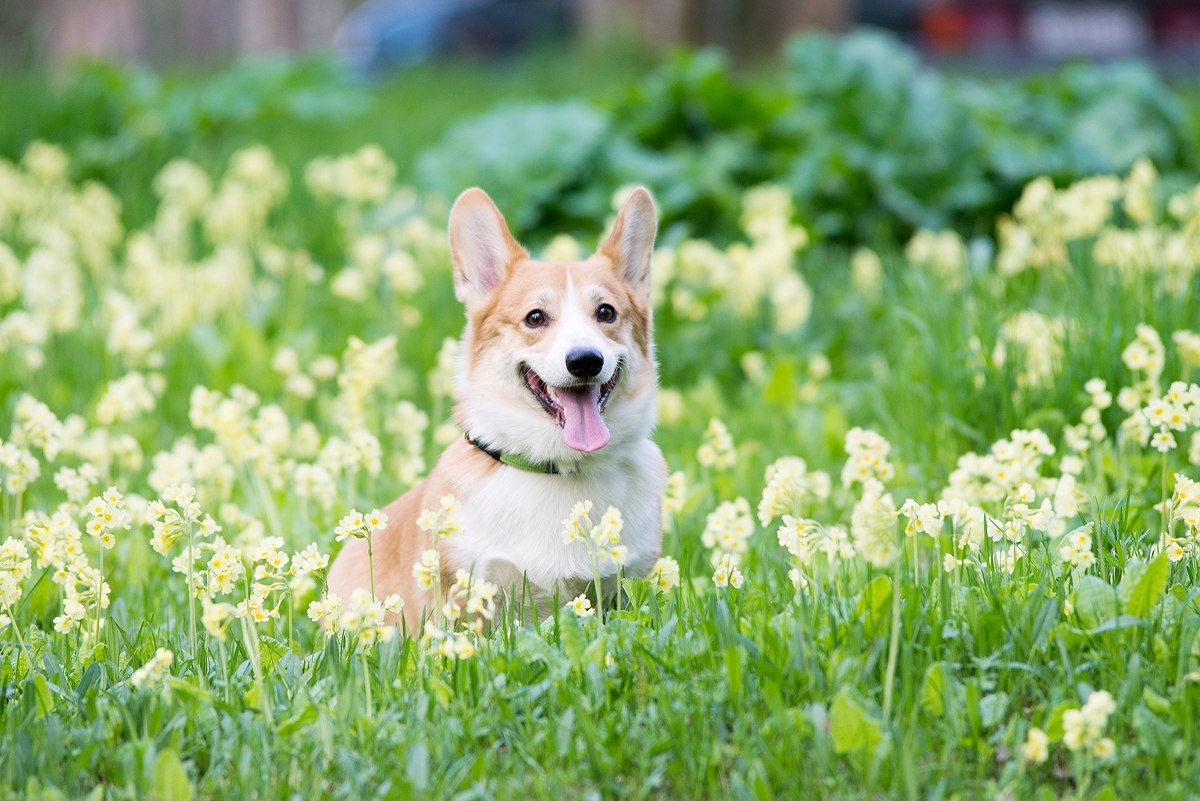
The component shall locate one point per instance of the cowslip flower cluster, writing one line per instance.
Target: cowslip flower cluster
(1076, 548)
(216, 617)
(1045, 219)
(716, 449)
(307, 565)
(728, 528)
(443, 522)
(172, 524)
(361, 617)
(35, 426)
(360, 526)
(108, 514)
(868, 453)
(1036, 747)
(408, 424)
(1040, 343)
(1146, 357)
(921, 518)
(15, 567)
(469, 608)
(745, 276)
(151, 673)
(603, 539)
(1183, 512)
(664, 575)
(873, 525)
(76, 482)
(942, 253)
(727, 573)
(1090, 429)
(988, 480)
(18, 468)
(128, 398)
(789, 486)
(470, 602)
(449, 645)
(1083, 729)
(1175, 411)
(805, 539)
(362, 177)
(674, 496)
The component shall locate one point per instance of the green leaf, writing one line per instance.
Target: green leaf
(936, 687)
(874, 602)
(297, 722)
(733, 671)
(1095, 601)
(41, 691)
(1143, 585)
(417, 766)
(570, 634)
(171, 782)
(1054, 725)
(252, 697)
(187, 688)
(270, 651)
(853, 728)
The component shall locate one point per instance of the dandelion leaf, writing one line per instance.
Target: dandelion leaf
(1143, 585)
(940, 691)
(570, 634)
(1095, 601)
(171, 781)
(874, 604)
(853, 728)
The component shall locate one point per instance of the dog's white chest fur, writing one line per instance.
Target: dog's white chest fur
(513, 523)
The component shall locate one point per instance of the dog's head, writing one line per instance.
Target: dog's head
(557, 357)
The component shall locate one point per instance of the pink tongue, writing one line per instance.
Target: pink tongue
(583, 429)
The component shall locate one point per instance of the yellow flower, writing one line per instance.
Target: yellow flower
(1036, 747)
(581, 606)
(664, 576)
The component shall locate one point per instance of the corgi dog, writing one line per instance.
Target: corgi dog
(555, 394)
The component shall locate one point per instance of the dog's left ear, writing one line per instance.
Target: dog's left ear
(631, 242)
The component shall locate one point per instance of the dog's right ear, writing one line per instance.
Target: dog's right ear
(481, 247)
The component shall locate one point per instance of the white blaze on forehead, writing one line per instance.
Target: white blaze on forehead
(577, 328)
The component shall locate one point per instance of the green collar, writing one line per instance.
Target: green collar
(515, 459)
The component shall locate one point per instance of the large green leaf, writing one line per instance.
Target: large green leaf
(1143, 585)
(852, 726)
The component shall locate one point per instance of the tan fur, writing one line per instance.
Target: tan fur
(399, 546)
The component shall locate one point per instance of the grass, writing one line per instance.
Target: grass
(122, 123)
(895, 681)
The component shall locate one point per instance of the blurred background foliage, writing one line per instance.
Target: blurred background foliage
(872, 142)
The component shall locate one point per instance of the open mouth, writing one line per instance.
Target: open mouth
(575, 408)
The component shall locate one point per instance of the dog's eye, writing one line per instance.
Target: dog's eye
(535, 319)
(606, 313)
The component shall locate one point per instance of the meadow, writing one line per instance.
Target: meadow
(932, 529)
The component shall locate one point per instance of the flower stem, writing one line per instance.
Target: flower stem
(1166, 512)
(16, 629)
(99, 594)
(371, 565)
(252, 651)
(367, 684)
(191, 593)
(893, 644)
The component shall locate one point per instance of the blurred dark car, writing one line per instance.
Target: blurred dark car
(383, 35)
(1043, 30)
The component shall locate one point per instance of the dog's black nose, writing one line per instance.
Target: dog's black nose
(584, 362)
